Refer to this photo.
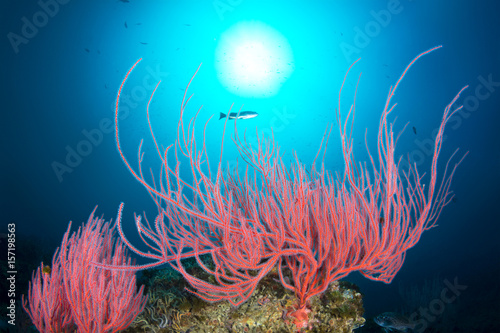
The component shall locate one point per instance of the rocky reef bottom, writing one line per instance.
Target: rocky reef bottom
(172, 309)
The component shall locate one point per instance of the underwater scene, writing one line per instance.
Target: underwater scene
(250, 166)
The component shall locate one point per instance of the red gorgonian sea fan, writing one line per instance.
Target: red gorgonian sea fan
(76, 292)
(315, 227)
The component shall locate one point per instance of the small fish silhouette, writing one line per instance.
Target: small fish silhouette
(391, 322)
(239, 115)
(46, 270)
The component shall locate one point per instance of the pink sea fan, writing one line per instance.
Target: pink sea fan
(76, 291)
(48, 308)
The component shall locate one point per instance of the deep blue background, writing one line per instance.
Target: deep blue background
(64, 81)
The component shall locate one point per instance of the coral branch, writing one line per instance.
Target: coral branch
(313, 226)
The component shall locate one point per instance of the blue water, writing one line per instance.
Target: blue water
(62, 66)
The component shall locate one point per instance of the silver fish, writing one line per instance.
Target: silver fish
(239, 115)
